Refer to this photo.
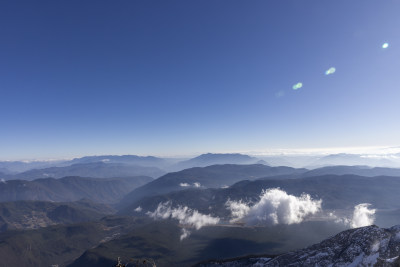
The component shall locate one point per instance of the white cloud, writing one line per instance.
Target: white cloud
(275, 207)
(186, 217)
(362, 216)
(238, 209)
(337, 219)
(196, 184)
(138, 209)
(185, 234)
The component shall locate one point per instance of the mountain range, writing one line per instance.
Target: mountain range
(93, 169)
(356, 170)
(107, 166)
(355, 159)
(69, 217)
(217, 159)
(214, 176)
(145, 165)
(36, 214)
(101, 190)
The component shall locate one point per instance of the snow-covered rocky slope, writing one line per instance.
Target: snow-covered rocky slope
(365, 246)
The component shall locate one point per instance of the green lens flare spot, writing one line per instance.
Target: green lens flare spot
(385, 45)
(330, 71)
(297, 86)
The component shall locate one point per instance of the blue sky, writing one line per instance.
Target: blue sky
(186, 77)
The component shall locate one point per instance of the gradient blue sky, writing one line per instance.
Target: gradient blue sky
(185, 77)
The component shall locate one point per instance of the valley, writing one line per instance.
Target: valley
(191, 216)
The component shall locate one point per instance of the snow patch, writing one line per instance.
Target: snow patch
(357, 261)
(371, 259)
(375, 246)
(391, 259)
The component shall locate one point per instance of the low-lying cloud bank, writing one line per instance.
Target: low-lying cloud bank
(274, 207)
(186, 217)
(196, 184)
(362, 216)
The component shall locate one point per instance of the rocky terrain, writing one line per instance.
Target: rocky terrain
(366, 246)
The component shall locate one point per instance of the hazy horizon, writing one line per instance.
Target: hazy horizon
(378, 151)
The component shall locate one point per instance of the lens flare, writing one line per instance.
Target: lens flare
(330, 71)
(385, 45)
(297, 86)
(280, 94)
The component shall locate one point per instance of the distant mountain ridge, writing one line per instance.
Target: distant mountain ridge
(355, 159)
(133, 165)
(92, 169)
(356, 170)
(21, 166)
(106, 166)
(147, 161)
(209, 159)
